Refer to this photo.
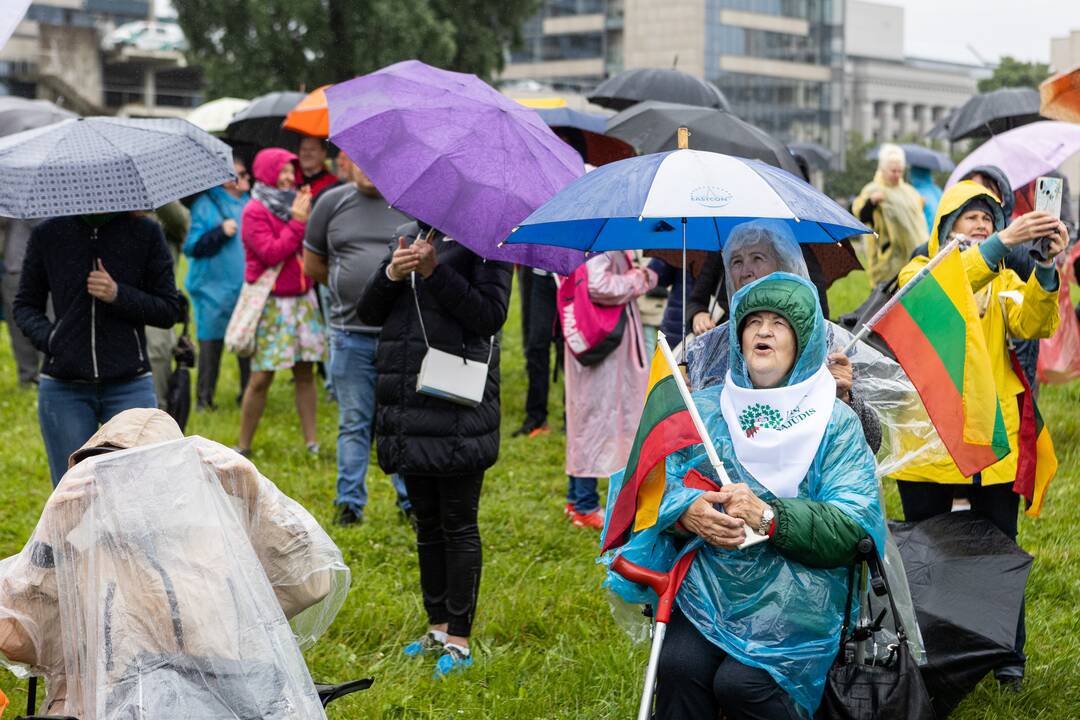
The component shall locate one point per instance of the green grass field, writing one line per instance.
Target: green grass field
(545, 640)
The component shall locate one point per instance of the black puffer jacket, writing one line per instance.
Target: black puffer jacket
(464, 302)
(92, 340)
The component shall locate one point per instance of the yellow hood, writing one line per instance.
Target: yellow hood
(954, 199)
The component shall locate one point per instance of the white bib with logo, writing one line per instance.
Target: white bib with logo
(776, 431)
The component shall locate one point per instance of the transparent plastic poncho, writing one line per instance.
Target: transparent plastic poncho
(907, 435)
(161, 581)
(759, 607)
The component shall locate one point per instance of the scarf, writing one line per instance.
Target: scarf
(278, 202)
(776, 431)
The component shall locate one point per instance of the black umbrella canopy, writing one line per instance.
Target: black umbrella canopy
(994, 112)
(18, 114)
(967, 582)
(260, 122)
(816, 156)
(653, 127)
(664, 84)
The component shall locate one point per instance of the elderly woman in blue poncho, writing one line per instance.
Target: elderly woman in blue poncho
(755, 631)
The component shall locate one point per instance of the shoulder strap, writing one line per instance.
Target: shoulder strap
(423, 330)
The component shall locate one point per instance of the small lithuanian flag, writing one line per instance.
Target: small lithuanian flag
(1036, 463)
(934, 331)
(665, 427)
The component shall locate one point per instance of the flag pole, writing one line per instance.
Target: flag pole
(868, 326)
(752, 538)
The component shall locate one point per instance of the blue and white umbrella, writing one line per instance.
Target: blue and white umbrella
(102, 165)
(682, 199)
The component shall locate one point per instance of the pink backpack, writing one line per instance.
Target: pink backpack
(592, 332)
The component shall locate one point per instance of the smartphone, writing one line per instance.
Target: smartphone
(1048, 200)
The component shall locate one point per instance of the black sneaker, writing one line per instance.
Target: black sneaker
(347, 516)
(1012, 684)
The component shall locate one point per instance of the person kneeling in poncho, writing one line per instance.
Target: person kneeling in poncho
(755, 631)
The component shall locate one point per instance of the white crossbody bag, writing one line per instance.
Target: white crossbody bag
(448, 376)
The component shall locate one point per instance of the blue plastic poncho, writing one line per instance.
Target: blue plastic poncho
(759, 607)
(214, 282)
(922, 180)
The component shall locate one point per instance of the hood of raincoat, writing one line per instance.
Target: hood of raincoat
(170, 579)
(131, 428)
(796, 299)
(1008, 197)
(953, 202)
(268, 164)
(786, 295)
(775, 235)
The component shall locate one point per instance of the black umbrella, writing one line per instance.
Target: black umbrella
(815, 155)
(994, 112)
(666, 85)
(653, 127)
(967, 582)
(260, 122)
(18, 114)
(940, 131)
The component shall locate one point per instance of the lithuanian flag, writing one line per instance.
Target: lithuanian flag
(665, 427)
(1036, 463)
(934, 331)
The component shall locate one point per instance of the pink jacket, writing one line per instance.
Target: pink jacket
(604, 401)
(269, 240)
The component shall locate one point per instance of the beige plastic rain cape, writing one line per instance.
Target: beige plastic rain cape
(170, 580)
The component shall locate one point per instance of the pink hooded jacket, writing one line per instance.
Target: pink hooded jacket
(269, 240)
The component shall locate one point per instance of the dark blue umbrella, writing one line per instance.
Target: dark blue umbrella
(103, 165)
(584, 131)
(919, 156)
(566, 117)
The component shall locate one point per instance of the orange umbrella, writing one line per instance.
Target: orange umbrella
(1060, 96)
(310, 116)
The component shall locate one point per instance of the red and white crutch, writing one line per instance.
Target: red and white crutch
(666, 586)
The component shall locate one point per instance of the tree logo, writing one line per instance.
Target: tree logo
(760, 415)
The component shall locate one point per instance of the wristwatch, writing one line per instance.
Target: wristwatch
(766, 520)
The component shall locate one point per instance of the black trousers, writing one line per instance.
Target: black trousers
(209, 366)
(448, 545)
(696, 680)
(998, 504)
(538, 330)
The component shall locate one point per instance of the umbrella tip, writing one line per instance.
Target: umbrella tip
(684, 138)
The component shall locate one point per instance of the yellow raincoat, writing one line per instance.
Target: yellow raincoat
(899, 223)
(1036, 316)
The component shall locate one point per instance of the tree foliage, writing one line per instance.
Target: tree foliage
(1011, 72)
(249, 47)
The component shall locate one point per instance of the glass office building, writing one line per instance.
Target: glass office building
(780, 64)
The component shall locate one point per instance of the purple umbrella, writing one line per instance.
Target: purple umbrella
(448, 149)
(1024, 153)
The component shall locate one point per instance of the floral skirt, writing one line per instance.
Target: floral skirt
(290, 331)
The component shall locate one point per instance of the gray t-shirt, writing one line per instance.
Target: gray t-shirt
(351, 230)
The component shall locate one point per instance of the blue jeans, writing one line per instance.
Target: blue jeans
(581, 493)
(70, 412)
(352, 371)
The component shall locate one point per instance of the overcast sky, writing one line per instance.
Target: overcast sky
(942, 29)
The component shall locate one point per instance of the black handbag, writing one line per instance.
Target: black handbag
(892, 690)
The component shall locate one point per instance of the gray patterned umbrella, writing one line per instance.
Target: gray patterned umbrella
(102, 164)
